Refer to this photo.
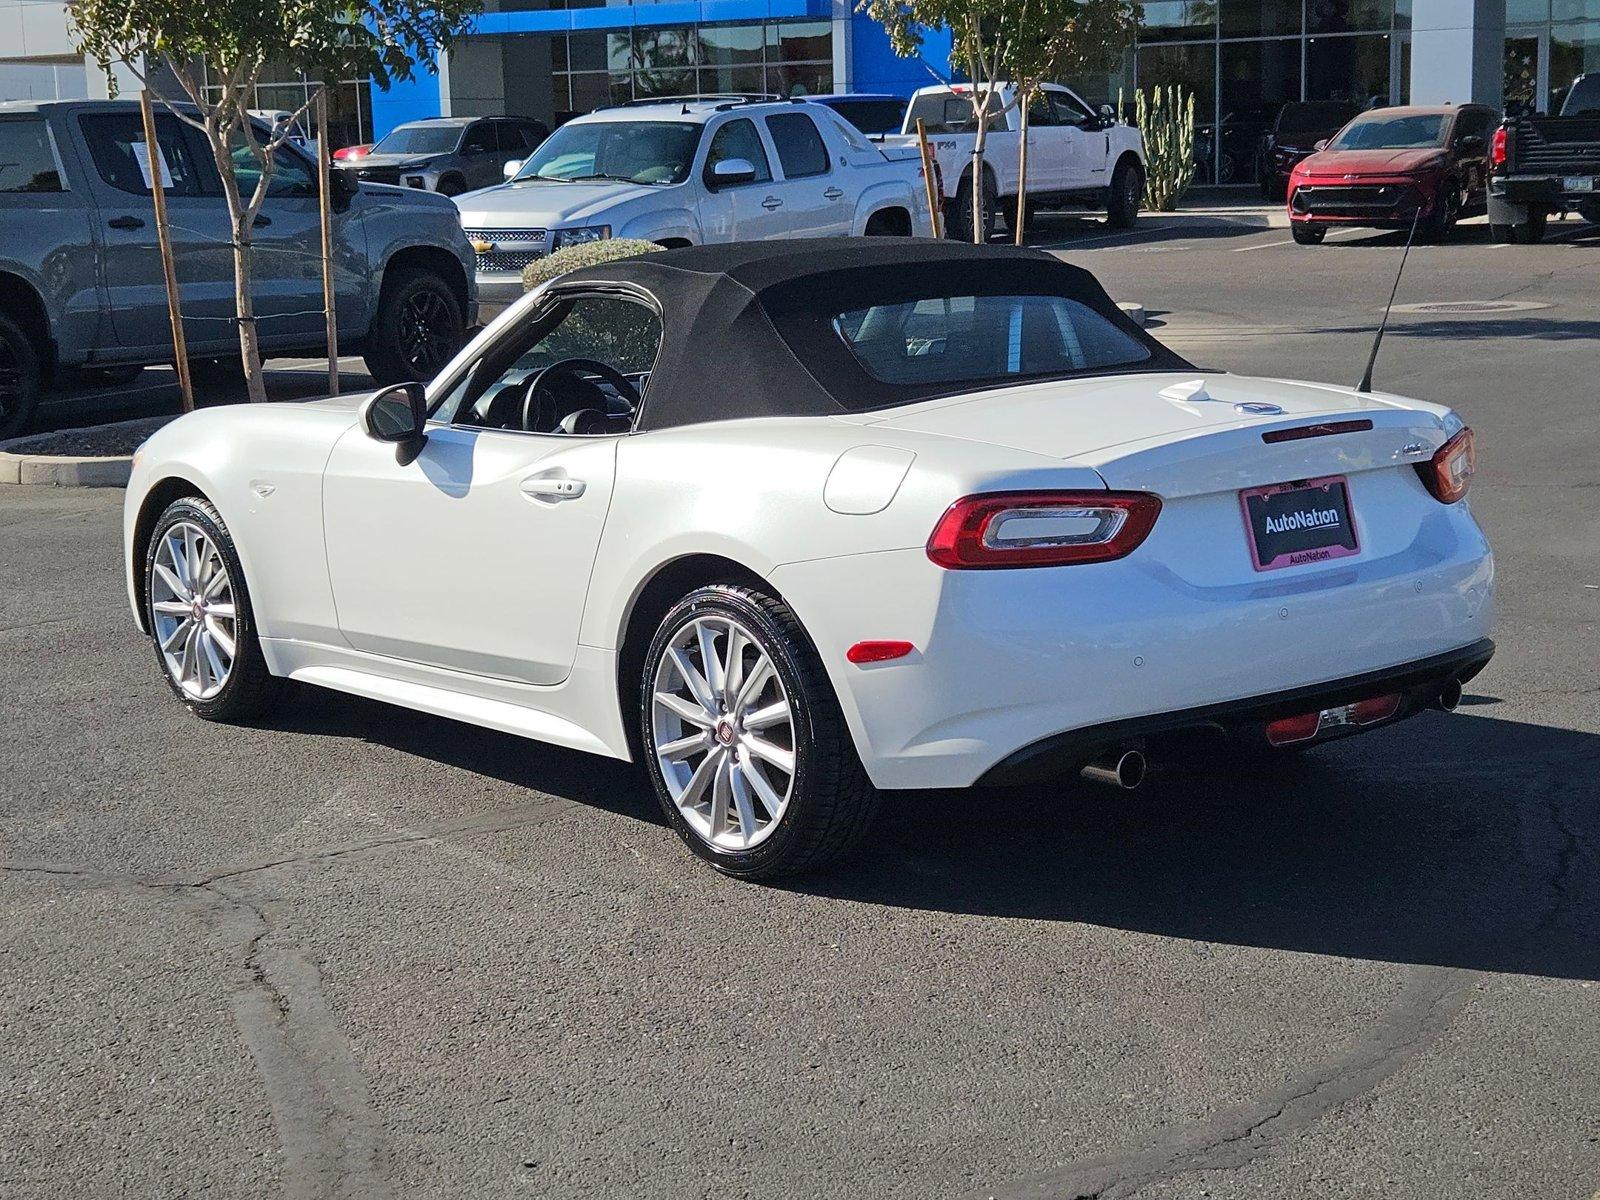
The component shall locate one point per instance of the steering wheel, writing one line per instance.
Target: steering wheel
(540, 408)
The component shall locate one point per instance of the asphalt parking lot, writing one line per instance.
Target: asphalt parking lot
(355, 951)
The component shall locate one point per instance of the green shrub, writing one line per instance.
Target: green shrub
(1166, 122)
(589, 254)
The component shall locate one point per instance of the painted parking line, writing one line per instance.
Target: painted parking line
(1291, 241)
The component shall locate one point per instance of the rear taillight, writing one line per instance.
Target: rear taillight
(1041, 529)
(1497, 148)
(1448, 474)
(1302, 727)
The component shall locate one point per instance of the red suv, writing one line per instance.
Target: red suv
(1390, 164)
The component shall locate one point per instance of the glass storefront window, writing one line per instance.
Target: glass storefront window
(1574, 50)
(1192, 66)
(1575, 10)
(1348, 16)
(800, 41)
(731, 46)
(1527, 10)
(1522, 74)
(1168, 20)
(1259, 18)
(1256, 80)
(1353, 69)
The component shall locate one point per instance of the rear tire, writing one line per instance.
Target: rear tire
(959, 222)
(759, 783)
(1307, 234)
(187, 550)
(1589, 210)
(418, 327)
(1127, 195)
(21, 378)
(1531, 231)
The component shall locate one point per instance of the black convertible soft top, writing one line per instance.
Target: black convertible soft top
(747, 327)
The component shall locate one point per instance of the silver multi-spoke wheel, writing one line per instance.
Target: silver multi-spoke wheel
(194, 610)
(723, 732)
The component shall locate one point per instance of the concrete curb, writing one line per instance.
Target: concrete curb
(69, 470)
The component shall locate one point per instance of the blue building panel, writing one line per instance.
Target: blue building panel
(875, 67)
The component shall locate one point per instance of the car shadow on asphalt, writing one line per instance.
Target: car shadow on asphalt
(1471, 842)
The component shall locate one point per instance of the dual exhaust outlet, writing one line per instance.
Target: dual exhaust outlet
(1125, 768)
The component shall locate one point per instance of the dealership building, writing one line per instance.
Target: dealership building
(552, 59)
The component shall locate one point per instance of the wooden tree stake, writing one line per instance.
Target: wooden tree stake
(325, 204)
(169, 268)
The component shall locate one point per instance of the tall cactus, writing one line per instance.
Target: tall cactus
(1166, 121)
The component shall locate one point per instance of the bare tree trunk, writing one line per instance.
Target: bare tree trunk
(241, 221)
(978, 141)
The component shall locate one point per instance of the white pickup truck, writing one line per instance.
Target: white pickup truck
(1077, 157)
(688, 171)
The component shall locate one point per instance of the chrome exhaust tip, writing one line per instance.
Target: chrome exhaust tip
(1121, 769)
(1449, 695)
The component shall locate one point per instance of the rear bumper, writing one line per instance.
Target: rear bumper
(1418, 683)
(1539, 189)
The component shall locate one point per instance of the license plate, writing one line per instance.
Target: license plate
(1578, 183)
(1290, 524)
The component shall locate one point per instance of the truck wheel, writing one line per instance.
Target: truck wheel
(1500, 234)
(21, 378)
(958, 225)
(1531, 231)
(1589, 210)
(417, 329)
(1008, 214)
(1127, 194)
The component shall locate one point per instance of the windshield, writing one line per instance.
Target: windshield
(1419, 131)
(420, 139)
(1584, 98)
(873, 116)
(980, 339)
(658, 152)
(1313, 118)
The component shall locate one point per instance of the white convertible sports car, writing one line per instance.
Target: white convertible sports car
(792, 522)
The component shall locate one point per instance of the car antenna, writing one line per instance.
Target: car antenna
(1366, 380)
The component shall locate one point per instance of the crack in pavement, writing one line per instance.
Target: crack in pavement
(328, 1130)
(1431, 998)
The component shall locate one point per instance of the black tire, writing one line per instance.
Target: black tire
(1589, 210)
(831, 802)
(21, 378)
(1307, 234)
(452, 185)
(217, 372)
(1126, 196)
(1501, 234)
(958, 225)
(418, 327)
(1441, 221)
(1531, 231)
(1008, 215)
(250, 687)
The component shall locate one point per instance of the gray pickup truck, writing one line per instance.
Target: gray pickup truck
(80, 272)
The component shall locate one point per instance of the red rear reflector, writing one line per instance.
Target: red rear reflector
(1379, 708)
(1310, 431)
(872, 652)
(1497, 148)
(1448, 474)
(1041, 529)
(1302, 728)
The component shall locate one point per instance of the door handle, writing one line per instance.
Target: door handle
(261, 221)
(771, 202)
(833, 193)
(552, 487)
(125, 223)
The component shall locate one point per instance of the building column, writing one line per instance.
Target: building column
(1458, 52)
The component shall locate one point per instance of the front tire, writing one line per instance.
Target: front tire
(418, 327)
(1442, 219)
(21, 378)
(1127, 194)
(743, 738)
(199, 615)
(1307, 234)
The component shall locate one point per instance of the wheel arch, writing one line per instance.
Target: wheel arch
(894, 220)
(21, 301)
(156, 501)
(431, 258)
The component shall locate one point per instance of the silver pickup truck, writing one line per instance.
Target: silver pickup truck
(80, 273)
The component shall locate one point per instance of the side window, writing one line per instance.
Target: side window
(739, 139)
(480, 138)
(799, 145)
(1069, 109)
(508, 138)
(623, 334)
(1041, 111)
(27, 162)
(291, 174)
(117, 146)
(1472, 123)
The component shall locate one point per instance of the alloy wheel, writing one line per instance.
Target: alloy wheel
(194, 611)
(723, 733)
(427, 333)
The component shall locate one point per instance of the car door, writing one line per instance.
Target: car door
(814, 203)
(740, 211)
(1049, 147)
(119, 175)
(475, 555)
(1085, 144)
(481, 158)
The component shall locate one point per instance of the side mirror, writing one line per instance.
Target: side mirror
(511, 168)
(1470, 144)
(398, 414)
(1108, 114)
(1322, 145)
(731, 172)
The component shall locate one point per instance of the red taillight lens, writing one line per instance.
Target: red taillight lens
(1286, 730)
(1497, 147)
(863, 653)
(1041, 529)
(1448, 474)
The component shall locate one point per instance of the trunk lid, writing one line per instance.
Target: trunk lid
(1186, 434)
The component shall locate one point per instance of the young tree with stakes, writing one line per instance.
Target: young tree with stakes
(1027, 40)
(234, 40)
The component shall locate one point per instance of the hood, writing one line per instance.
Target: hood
(545, 204)
(1372, 162)
(403, 162)
(1082, 416)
